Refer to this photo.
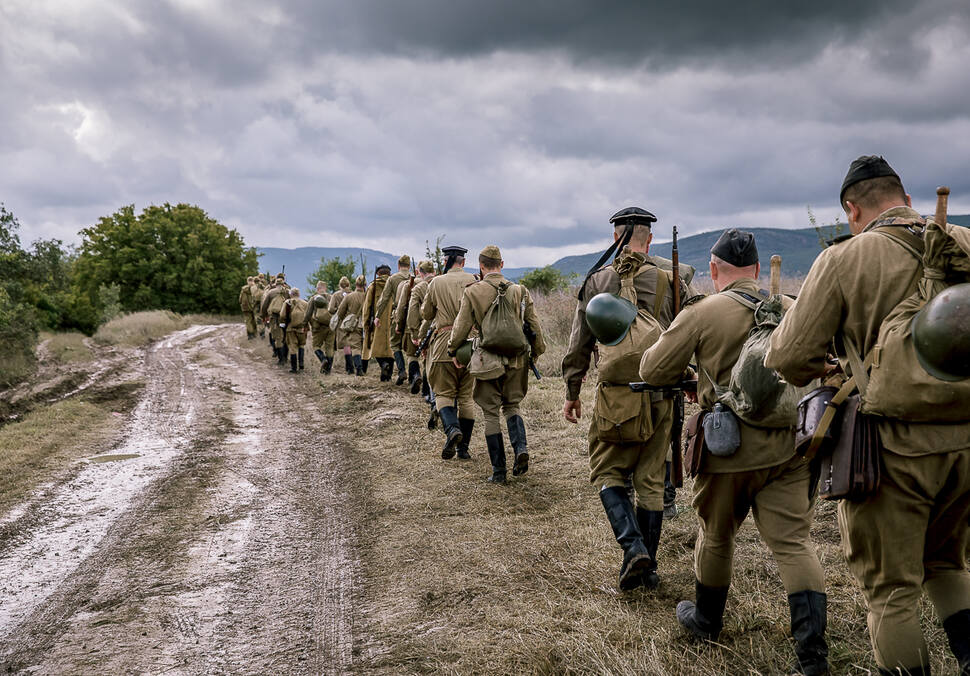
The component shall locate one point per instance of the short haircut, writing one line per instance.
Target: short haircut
(721, 263)
(641, 233)
(874, 192)
(488, 262)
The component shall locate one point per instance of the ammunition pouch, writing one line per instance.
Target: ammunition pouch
(621, 415)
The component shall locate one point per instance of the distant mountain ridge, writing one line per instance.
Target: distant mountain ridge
(797, 248)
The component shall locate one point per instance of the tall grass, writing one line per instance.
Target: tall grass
(140, 328)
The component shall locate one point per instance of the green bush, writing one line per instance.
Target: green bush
(546, 280)
(330, 271)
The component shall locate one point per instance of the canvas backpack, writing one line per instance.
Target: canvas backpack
(501, 327)
(755, 393)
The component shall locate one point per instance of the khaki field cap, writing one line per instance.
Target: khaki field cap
(344, 282)
(404, 261)
(361, 280)
(426, 266)
(491, 251)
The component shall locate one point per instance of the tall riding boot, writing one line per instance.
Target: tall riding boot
(327, 366)
(957, 628)
(449, 420)
(363, 364)
(636, 558)
(466, 425)
(301, 352)
(358, 365)
(650, 523)
(349, 364)
(496, 455)
(704, 617)
(284, 353)
(320, 355)
(426, 389)
(401, 367)
(516, 427)
(433, 418)
(292, 363)
(808, 619)
(387, 369)
(670, 494)
(414, 377)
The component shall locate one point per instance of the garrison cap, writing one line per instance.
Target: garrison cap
(862, 169)
(491, 251)
(404, 261)
(736, 247)
(633, 216)
(454, 251)
(361, 280)
(344, 282)
(426, 266)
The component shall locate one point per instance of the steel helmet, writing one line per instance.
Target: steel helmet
(941, 334)
(464, 353)
(609, 317)
(319, 301)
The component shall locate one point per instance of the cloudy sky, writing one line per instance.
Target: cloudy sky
(382, 123)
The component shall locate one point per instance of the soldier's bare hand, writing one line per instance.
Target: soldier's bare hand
(458, 364)
(572, 411)
(397, 331)
(377, 323)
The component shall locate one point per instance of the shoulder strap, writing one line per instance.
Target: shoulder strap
(746, 299)
(663, 282)
(901, 241)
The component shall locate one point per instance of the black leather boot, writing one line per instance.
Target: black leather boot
(426, 390)
(433, 418)
(636, 559)
(363, 364)
(284, 353)
(449, 420)
(496, 455)
(414, 376)
(517, 441)
(466, 425)
(327, 366)
(808, 619)
(703, 618)
(320, 355)
(349, 364)
(387, 369)
(402, 368)
(300, 353)
(292, 363)
(358, 365)
(957, 628)
(650, 523)
(670, 494)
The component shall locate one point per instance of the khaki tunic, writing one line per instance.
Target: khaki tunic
(377, 343)
(611, 462)
(257, 293)
(296, 329)
(418, 326)
(352, 304)
(502, 394)
(452, 386)
(246, 306)
(339, 335)
(389, 297)
(319, 322)
(402, 305)
(912, 535)
(272, 304)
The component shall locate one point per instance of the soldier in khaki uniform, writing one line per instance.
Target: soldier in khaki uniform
(319, 321)
(419, 327)
(272, 306)
(246, 306)
(377, 328)
(912, 535)
(351, 306)
(503, 384)
(258, 289)
(763, 476)
(402, 319)
(452, 386)
(293, 319)
(611, 463)
(389, 297)
(340, 336)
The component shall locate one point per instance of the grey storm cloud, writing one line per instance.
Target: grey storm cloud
(524, 124)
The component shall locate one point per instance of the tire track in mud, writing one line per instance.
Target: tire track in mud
(228, 551)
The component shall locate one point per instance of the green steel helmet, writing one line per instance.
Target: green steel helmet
(941, 334)
(609, 317)
(319, 301)
(464, 353)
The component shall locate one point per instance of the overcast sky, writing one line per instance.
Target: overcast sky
(381, 123)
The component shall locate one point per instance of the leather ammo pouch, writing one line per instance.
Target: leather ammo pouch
(694, 453)
(621, 415)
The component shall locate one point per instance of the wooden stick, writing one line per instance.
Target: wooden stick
(775, 280)
(942, 194)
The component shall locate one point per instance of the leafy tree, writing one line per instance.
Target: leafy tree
(18, 327)
(434, 255)
(330, 271)
(546, 280)
(168, 257)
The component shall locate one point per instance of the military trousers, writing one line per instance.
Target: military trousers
(778, 499)
(275, 331)
(395, 340)
(910, 537)
(250, 322)
(610, 463)
(323, 340)
(452, 387)
(295, 339)
(500, 397)
(355, 341)
(258, 322)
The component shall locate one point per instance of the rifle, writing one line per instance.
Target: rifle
(681, 387)
(677, 429)
(531, 336)
(423, 345)
(369, 324)
(403, 324)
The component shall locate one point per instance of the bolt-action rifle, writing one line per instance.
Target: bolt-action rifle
(402, 325)
(369, 324)
(677, 458)
(531, 336)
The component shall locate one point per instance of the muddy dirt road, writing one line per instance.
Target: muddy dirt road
(213, 538)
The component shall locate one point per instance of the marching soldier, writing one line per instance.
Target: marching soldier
(389, 297)
(421, 329)
(258, 289)
(377, 342)
(273, 301)
(452, 386)
(293, 318)
(350, 322)
(763, 475)
(340, 336)
(402, 320)
(320, 327)
(912, 535)
(246, 306)
(642, 455)
(503, 381)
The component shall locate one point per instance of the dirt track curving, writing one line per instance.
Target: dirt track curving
(214, 538)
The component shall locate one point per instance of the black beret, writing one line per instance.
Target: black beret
(862, 169)
(736, 247)
(633, 216)
(454, 251)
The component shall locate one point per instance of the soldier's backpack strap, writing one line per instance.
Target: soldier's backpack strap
(746, 299)
(663, 284)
